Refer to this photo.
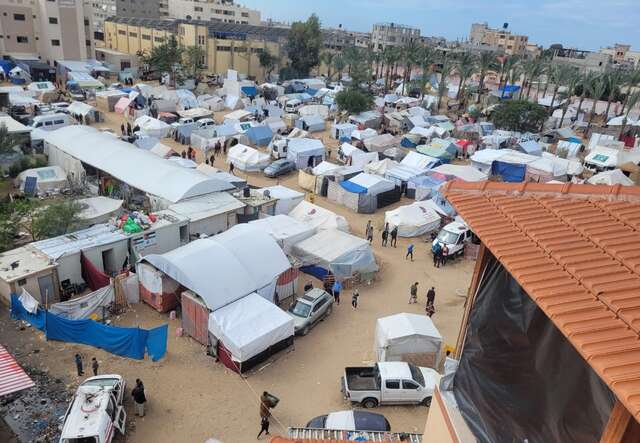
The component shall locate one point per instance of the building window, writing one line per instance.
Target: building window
(22, 282)
(240, 50)
(228, 12)
(197, 8)
(201, 39)
(22, 39)
(86, 22)
(53, 20)
(133, 34)
(121, 32)
(245, 14)
(87, 42)
(146, 37)
(19, 17)
(55, 42)
(158, 39)
(223, 48)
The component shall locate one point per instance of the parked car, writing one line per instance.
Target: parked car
(454, 235)
(96, 408)
(309, 309)
(279, 167)
(389, 383)
(351, 421)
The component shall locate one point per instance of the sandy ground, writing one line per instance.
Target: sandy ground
(192, 398)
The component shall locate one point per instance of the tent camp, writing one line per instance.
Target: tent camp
(423, 187)
(285, 230)
(226, 267)
(352, 156)
(335, 251)
(152, 126)
(413, 220)
(362, 192)
(443, 150)
(342, 130)
(287, 198)
(461, 172)
(259, 135)
(305, 152)
(602, 159)
(613, 177)
(311, 123)
(248, 331)
(247, 159)
(419, 161)
(410, 338)
(318, 217)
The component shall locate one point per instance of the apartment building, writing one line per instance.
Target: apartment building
(224, 11)
(392, 34)
(512, 44)
(226, 45)
(622, 56)
(99, 11)
(142, 8)
(45, 30)
(585, 61)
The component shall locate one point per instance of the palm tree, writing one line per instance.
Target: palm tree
(631, 81)
(586, 79)
(427, 56)
(327, 57)
(572, 83)
(614, 80)
(410, 57)
(465, 66)
(546, 71)
(633, 99)
(532, 71)
(559, 74)
(351, 56)
(391, 55)
(447, 67)
(339, 64)
(486, 62)
(506, 69)
(596, 89)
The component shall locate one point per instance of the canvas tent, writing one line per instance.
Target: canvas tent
(413, 220)
(152, 126)
(410, 338)
(284, 229)
(602, 159)
(368, 183)
(461, 172)
(226, 267)
(311, 123)
(613, 177)
(305, 152)
(342, 130)
(248, 331)
(259, 135)
(380, 142)
(419, 161)
(287, 198)
(353, 156)
(247, 159)
(318, 217)
(423, 187)
(380, 167)
(338, 252)
(48, 178)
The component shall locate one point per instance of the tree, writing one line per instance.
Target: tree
(354, 100)
(410, 53)
(339, 64)
(427, 57)
(614, 80)
(631, 81)
(632, 100)
(447, 67)
(51, 220)
(327, 58)
(486, 62)
(596, 89)
(582, 85)
(391, 55)
(194, 60)
(560, 74)
(572, 83)
(303, 45)
(532, 71)
(8, 140)
(519, 115)
(268, 62)
(465, 66)
(166, 57)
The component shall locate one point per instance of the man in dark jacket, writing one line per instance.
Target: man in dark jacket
(79, 365)
(139, 398)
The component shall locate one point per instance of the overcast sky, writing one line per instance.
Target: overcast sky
(585, 24)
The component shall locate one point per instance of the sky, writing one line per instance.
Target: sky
(582, 24)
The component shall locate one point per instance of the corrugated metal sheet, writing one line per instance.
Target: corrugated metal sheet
(575, 249)
(12, 376)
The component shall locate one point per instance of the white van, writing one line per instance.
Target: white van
(454, 235)
(292, 106)
(50, 122)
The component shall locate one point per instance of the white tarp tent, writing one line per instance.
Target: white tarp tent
(380, 167)
(285, 230)
(48, 178)
(419, 161)
(250, 326)
(364, 134)
(162, 150)
(410, 338)
(226, 267)
(318, 218)
(613, 177)
(462, 172)
(336, 251)
(247, 159)
(287, 198)
(325, 168)
(413, 220)
(98, 209)
(152, 126)
(602, 158)
(353, 156)
(305, 152)
(374, 184)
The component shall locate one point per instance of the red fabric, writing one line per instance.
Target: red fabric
(224, 355)
(629, 140)
(93, 277)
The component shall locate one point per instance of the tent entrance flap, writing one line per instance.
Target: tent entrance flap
(517, 364)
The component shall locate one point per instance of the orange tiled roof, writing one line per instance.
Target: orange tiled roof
(575, 249)
(302, 440)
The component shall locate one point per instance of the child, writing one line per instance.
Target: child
(354, 299)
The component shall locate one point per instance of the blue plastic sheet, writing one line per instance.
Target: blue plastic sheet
(353, 187)
(513, 173)
(249, 91)
(126, 342)
(315, 271)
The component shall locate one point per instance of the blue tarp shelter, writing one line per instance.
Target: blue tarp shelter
(260, 135)
(530, 147)
(510, 172)
(249, 91)
(508, 90)
(353, 187)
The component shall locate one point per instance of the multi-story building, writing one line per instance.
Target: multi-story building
(585, 61)
(45, 30)
(622, 57)
(98, 11)
(142, 8)
(392, 34)
(512, 44)
(225, 11)
(226, 45)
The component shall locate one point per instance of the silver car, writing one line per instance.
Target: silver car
(309, 309)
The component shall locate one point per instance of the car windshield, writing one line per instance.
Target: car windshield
(447, 237)
(416, 374)
(300, 309)
(102, 382)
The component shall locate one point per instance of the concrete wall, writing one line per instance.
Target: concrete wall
(32, 286)
(11, 29)
(69, 265)
(437, 428)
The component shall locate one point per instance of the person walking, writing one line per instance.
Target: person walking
(94, 366)
(409, 252)
(354, 299)
(444, 255)
(430, 310)
(122, 129)
(128, 128)
(79, 365)
(385, 234)
(437, 251)
(139, 398)
(231, 167)
(431, 296)
(264, 426)
(413, 293)
(394, 236)
(336, 289)
(369, 232)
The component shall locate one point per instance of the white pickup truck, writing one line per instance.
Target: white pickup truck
(389, 383)
(95, 411)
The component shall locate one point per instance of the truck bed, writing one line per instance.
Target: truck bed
(362, 379)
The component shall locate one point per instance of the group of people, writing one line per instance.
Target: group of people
(127, 130)
(440, 254)
(431, 298)
(79, 365)
(189, 154)
(386, 233)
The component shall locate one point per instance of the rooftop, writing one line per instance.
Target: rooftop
(101, 234)
(28, 260)
(575, 249)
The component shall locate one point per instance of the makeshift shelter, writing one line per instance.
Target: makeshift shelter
(226, 267)
(613, 177)
(122, 104)
(276, 124)
(530, 147)
(325, 167)
(47, 179)
(285, 230)
(287, 198)
(237, 117)
(380, 167)
(443, 150)
(352, 156)
(247, 159)
(311, 123)
(413, 220)
(360, 193)
(363, 134)
(248, 331)
(602, 159)
(305, 152)
(461, 172)
(400, 174)
(419, 161)
(369, 119)
(209, 214)
(162, 150)
(259, 135)
(380, 142)
(342, 254)
(341, 131)
(84, 113)
(318, 217)
(410, 338)
(483, 159)
(152, 126)
(321, 111)
(423, 187)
